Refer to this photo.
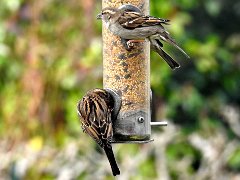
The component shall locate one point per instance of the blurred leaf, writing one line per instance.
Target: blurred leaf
(178, 152)
(93, 54)
(73, 122)
(178, 23)
(234, 160)
(12, 4)
(206, 64)
(36, 143)
(213, 7)
(147, 168)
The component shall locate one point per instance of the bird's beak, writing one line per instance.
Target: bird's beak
(99, 16)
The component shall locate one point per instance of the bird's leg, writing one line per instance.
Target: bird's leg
(125, 44)
(83, 129)
(131, 42)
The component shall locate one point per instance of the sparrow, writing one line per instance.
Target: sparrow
(129, 23)
(95, 110)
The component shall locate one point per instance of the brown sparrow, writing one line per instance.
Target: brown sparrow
(95, 110)
(129, 23)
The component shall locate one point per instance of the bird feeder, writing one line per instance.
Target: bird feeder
(126, 75)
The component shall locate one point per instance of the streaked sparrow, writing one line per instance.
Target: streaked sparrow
(129, 23)
(95, 110)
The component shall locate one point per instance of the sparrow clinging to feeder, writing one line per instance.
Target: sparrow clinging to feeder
(95, 110)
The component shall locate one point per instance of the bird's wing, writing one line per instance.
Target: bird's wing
(166, 37)
(132, 20)
(96, 119)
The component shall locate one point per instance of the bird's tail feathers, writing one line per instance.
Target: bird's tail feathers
(156, 45)
(109, 152)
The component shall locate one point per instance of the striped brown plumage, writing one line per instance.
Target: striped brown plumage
(130, 23)
(95, 110)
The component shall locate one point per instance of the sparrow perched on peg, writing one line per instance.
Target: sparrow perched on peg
(129, 23)
(95, 110)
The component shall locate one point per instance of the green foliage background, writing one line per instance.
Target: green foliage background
(50, 55)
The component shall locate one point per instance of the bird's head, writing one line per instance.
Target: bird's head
(108, 14)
